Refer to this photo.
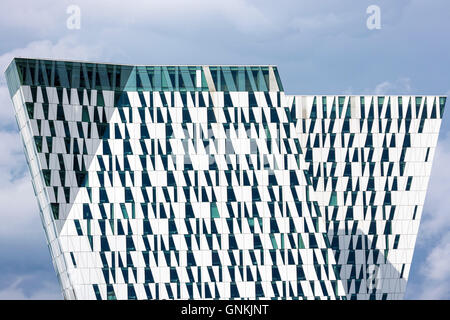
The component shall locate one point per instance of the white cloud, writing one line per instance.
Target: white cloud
(65, 48)
(30, 15)
(399, 86)
(11, 154)
(436, 272)
(6, 109)
(382, 87)
(437, 265)
(16, 290)
(20, 211)
(436, 216)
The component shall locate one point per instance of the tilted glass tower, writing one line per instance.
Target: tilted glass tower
(188, 182)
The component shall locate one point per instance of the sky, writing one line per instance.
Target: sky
(319, 46)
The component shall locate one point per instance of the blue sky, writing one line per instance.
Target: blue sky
(320, 47)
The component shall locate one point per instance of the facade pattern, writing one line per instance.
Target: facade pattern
(209, 182)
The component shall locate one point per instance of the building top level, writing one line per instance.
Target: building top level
(120, 77)
(123, 77)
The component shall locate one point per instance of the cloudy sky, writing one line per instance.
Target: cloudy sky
(320, 47)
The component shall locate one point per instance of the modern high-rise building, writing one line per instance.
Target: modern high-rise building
(209, 182)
